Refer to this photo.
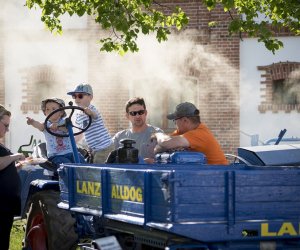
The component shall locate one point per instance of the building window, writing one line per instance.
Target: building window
(285, 92)
(39, 83)
(281, 91)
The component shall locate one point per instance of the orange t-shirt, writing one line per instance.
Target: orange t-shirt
(202, 140)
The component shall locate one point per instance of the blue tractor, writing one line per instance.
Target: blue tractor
(179, 202)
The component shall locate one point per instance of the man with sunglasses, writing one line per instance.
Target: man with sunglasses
(191, 134)
(140, 131)
(96, 136)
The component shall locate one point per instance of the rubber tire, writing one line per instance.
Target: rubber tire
(58, 223)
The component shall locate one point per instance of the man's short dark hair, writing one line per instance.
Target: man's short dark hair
(135, 100)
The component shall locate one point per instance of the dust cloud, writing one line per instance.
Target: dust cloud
(183, 69)
(176, 66)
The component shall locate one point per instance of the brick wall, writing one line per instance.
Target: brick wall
(219, 92)
(41, 82)
(109, 96)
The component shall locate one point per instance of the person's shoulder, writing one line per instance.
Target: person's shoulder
(2, 149)
(121, 133)
(203, 126)
(154, 129)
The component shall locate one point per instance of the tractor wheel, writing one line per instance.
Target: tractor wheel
(48, 227)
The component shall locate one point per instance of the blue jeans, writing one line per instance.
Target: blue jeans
(67, 158)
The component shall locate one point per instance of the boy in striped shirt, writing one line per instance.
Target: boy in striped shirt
(96, 136)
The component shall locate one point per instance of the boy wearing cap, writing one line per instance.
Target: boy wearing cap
(96, 136)
(191, 134)
(59, 149)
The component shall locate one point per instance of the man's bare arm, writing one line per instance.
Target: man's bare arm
(166, 142)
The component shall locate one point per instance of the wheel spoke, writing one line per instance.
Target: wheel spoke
(77, 127)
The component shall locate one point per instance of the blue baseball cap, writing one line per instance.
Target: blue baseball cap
(82, 88)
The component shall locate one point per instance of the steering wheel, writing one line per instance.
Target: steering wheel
(68, 122)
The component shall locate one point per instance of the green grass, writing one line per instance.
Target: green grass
(16, 235)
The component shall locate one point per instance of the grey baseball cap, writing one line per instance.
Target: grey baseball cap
(185, 109)
(82, 88)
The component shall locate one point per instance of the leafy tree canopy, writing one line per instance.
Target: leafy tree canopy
(126, 19)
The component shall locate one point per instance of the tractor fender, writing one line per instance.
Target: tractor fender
(38, 186)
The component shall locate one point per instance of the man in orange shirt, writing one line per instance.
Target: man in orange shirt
(191, 134)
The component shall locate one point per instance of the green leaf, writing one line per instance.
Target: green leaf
(126, 19)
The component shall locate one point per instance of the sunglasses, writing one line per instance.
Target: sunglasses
(80, 96)
(139, 112)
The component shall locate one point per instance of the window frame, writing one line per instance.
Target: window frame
(273, 73)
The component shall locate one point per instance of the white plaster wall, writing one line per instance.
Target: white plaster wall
(267, 125)
(24, 49)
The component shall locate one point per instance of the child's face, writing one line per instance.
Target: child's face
(50, 107)
(82, 100)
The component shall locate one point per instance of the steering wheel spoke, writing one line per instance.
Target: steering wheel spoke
(77, 127)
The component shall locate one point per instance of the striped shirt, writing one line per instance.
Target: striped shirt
(96, 136)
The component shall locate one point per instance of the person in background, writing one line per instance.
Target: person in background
(10, 183)
(191, 134)
(140, 131)
(59, 149)
(96, 136)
